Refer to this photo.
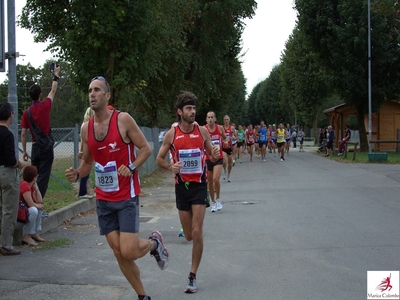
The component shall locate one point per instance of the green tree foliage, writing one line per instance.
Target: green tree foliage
(254, 114)
(305, 79)
(27, 75)
(68, 105)
(237, 108)
(213, 42)
(148, 50)
(338, 32)
(118, 39)
(269, 102)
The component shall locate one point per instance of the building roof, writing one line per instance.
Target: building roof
(341, 109)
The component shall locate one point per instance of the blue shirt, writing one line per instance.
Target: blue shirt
(262, 134)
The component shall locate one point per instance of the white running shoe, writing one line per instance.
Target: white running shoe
(233, 162)
(214, 207)
(229, 178)
(219, 205)
(224, 175)
(160, 253)
(192, 286)
(281, 159)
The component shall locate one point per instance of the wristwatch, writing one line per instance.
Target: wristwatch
(132, 167)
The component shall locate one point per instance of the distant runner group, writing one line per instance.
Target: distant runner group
(232, 143)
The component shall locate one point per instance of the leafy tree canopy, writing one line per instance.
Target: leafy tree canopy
(338, 33)
(148, 50)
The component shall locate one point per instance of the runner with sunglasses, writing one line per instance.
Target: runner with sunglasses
(109, 140)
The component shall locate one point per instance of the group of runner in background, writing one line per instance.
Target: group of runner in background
(234, 142)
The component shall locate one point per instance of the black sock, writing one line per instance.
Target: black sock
(156, 242)
(192, 275)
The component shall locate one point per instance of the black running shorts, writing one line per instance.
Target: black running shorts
(190, 193)
(210, 164)
(228, 151)
(281, 144)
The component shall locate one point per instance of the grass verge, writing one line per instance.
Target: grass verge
(56, 243)
(153, 179)
(362, 158)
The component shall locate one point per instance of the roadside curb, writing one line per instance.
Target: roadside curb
(57, 217)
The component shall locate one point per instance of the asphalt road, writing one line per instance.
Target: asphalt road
(305, 228)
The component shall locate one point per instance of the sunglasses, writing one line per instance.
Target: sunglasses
(101, 78)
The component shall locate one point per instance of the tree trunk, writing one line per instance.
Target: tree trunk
(361, 130)
(315, 124)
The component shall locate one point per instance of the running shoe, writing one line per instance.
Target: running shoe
(192, 286)
(218, 203)
(213, 207)
(240, 161)
(180, 233)
(281, 159)
(224, 176)
(160, 253)
(146, 298)
(229, 178)
(233, 162)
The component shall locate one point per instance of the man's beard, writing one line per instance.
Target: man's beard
(188, 119)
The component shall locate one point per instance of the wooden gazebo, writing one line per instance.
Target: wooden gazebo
(384, 124)
(337, 118)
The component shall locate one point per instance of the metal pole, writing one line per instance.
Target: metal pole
(369, 80)
(12, 71)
